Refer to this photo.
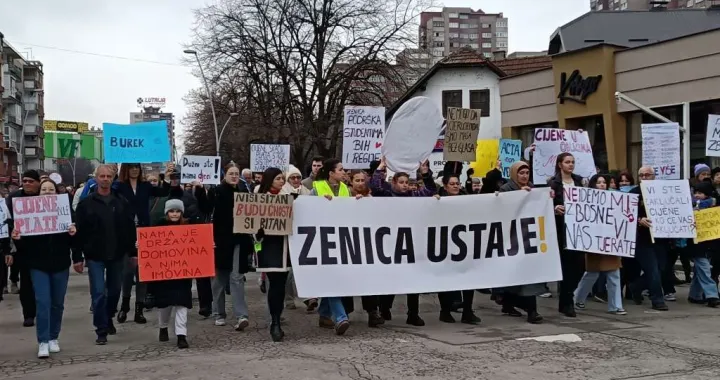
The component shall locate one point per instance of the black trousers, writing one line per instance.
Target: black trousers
(15, 274)
(448, 298)
(573, 268)
(413, 303)
(526, 303)
(276, 292)
(370, 304)
(27, 293)
(204, 290)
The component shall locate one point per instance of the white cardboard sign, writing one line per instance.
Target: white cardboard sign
(669, 207)
(363, 135)
(263, 156)
(661, 149)
(204, 169)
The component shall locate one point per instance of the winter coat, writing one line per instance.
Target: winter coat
(221, 201)
(168, 293)
(556, 184)
(105, 231)
(139, 199)
(381, 188)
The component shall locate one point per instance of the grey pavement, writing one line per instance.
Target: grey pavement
(683, 343)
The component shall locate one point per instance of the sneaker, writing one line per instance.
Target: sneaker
(645, 293)
(374, 319)
(43, 351)
(311, 305)
(205, 313)
(54, 346)
(326, 322)
(546, 295)
(101, 340)
(14, 289)
(618, 312)
(600, 299)
(341, 327)
(241, 324)
(580, 305)
(670, 297)
(29, 322)
(220, 322)
(660, 307)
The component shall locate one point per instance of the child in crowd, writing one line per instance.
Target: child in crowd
(173, 295)
(703, 289)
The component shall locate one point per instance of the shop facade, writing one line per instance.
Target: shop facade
(578, 92)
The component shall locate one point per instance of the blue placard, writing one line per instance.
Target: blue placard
(510, 153)
(140, 142)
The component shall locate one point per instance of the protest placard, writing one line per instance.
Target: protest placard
(708, 224)
(600, 221)
(473, 242)
(139, 142)
(271, 213)
(510, 153)
(363, 135)
(486, 157)
(42, 215)
(412, 133)
(461, 134)
(661, 149)
(176, 252)
(4, 220)
(204, 169)
(712, 139)
(550, 142)
(263, 156)
(669, 207)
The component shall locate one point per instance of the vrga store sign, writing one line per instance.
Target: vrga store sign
(576, 88)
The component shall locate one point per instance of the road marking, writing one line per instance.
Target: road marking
(568, 338)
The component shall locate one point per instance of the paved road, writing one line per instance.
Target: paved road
(683, 343)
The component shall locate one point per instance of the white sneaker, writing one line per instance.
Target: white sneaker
(43, 351)
(670, 297)
(220, 322)
(54, 346)
(242, 323)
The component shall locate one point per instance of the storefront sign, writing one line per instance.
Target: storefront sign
(576, 88)
(65, 126)
(151, 102)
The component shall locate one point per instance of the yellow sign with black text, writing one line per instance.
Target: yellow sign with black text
(65, 126)
(708, 224)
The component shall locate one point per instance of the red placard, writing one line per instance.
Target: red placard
(176, 252)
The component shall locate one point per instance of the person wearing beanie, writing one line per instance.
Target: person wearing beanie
(30, 188)
(702, 172)
(172, 296)
(293, 182)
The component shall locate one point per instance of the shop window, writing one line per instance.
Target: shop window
(480, 100)
(451, 99)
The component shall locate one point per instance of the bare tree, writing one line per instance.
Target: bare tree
(294, 64)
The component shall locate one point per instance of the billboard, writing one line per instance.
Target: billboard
(67, 145)
(151, 102)
(65, 126)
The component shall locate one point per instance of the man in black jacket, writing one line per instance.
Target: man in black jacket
(106, 234)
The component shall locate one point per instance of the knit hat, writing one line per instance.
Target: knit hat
(701, 168)
(32, 174)
(174, 204)
(704, 187)
(292, 170)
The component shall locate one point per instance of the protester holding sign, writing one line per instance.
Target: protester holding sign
(570, 260)
(522, 296)
(650, 254)
(452, 187)
(703, 290)
(231, 250)
(48, 258)
(595, 264)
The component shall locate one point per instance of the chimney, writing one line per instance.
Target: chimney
(499, 55)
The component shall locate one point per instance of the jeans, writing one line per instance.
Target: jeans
(332, 307)
(614, 290)
(105, 282)
(276, 291)
(237, 292)
(702, 286)
(50, 289)
(600, 289)
(652, 262)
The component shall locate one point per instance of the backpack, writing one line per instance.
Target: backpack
(88, 188)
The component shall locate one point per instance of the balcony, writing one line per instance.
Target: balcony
(13, 120)
(34, 130)
(14, 70)
(34, 152)
(30, 84)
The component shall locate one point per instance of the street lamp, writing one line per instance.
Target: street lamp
(207, 91)
(219, 137)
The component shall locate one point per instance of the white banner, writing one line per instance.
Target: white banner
(600, 221)
(669, 207)
(204, 169)
(550, 142)
(42, 215)
(368, 246)
(661, 149)
(4, 220)
(712, 140)
(363, 135)
(263, 156)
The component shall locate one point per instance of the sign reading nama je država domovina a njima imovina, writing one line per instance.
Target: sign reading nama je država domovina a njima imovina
(576, 88)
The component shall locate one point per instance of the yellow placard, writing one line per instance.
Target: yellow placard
(486, 156)
(707, 224)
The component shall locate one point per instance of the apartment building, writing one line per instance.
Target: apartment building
(34, 104)
(636, 5)
(451, 29)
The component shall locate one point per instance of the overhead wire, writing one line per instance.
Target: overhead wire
(99, 54)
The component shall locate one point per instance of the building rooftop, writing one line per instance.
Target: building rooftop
(516, 66)
(632, 28)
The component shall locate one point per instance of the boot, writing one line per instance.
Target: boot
(375, 319)
(469, 318)
(164, 336)
(139, 317)
(124, 308)
(276, 332)
(446, 317)
(182, 342)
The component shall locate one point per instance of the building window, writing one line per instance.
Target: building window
(480, 100)
(453, 35)
(438, 24)
(487, 35)
(487, 45)
(453, 25)
(464, 35)
(486, 26)
(473, 35)
(439, 44)
(463, 16)
(451, 99)
(502, 44)
(488, 55)
(500, 34)
(464, 26)
(474, 46)
(501, 24)
(452, 15)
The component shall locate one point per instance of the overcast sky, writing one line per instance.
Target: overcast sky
(95, 89)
